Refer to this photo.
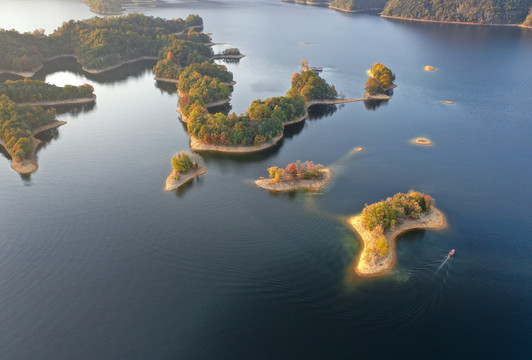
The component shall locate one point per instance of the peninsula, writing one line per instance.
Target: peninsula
(184, 169)
(295, 176)
(381, 223)
(18, 126)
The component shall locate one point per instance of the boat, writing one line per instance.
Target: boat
(451, 253)
(317, 69)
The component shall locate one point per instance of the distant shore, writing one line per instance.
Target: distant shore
(370, 263)
(450, 22)
(78, 101)
(30, 165)
(354, 11)
(173, 184)
(299, 184)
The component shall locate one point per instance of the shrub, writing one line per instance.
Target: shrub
(181, 162)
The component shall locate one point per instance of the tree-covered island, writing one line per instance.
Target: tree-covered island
(357, 5)
(380, 81)
(295, 176)
(184, 168)
(381, 223)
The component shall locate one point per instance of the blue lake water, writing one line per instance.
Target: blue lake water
(97, 261)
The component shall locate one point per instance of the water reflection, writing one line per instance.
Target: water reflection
(166, 88)
(124, 72)
(75, 110)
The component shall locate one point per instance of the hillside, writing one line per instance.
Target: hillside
(473, 11)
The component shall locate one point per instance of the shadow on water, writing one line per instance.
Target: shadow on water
(224, 109)
(46, 138)
(75, 110)
(181, 191)
(166, 88)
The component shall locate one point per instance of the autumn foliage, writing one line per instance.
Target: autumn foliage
(295, 171)
(384, 215)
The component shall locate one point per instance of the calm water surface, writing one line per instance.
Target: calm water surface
(98, 262)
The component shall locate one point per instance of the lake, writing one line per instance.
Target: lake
(97, 261)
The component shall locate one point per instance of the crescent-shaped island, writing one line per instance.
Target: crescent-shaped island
(380, 224)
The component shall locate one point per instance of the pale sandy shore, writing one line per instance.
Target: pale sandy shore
(30, 165)
(197, 145)
(370, 262)
(60, 102)
(172, 183)
(291, 185)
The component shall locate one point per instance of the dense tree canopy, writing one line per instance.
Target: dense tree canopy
(22, 91)
(384, 215)
(312, 87)
(380, 79)
(102, 42)
(476, 11)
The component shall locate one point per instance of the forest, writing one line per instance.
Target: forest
(101, 42)
(476, 11)
(23, 91)
(385, 215)
(17, 124)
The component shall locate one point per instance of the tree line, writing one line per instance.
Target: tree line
(380, 79)
(385, 215)
(22, 91)
(295, 171)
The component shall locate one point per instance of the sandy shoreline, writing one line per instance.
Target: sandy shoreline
(30, 165)
(291, 185)
(173, 184)
(370, 263)
(449, 22)
(422, 141)
(60, 102)
(197, 145)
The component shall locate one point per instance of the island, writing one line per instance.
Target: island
(106, 7)
(381, 223)
(429, 68)
(184, 168)
(422, 141)
(231, 53)
(380, 81)
(295, 176)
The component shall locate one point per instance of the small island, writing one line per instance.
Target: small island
(381, 223)
(429, 68)
(295, 176)
(184, 168)
(380, 81)
(422, 141)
